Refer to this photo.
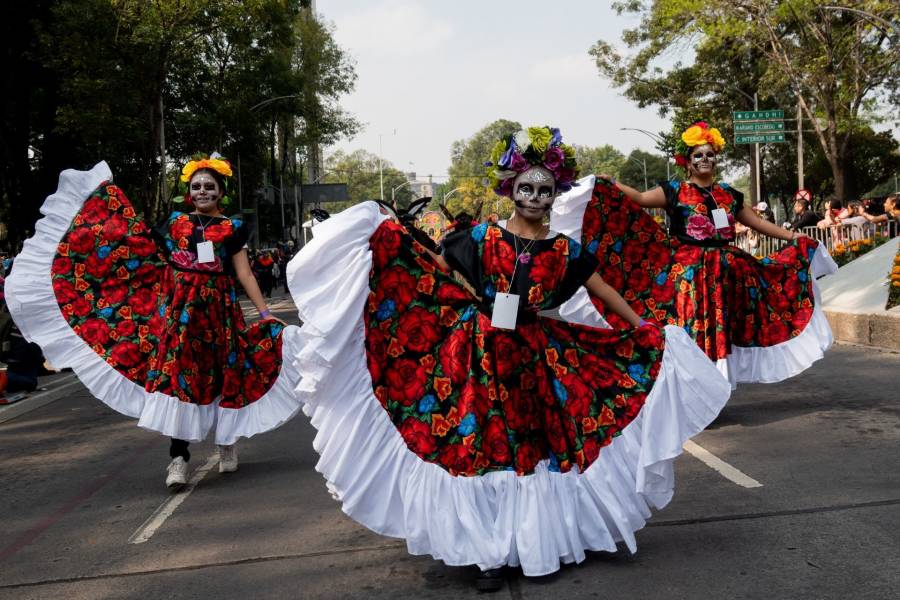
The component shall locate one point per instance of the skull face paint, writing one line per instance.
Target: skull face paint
(205, 192)
(534, 191)
(703, 160)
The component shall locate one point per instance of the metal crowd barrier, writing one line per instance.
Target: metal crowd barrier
(758, 244)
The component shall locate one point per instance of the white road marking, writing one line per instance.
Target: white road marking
(34, 401)
(723, 468)
(165, 510)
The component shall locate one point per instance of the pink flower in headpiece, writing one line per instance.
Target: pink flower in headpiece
(553, 159)
(518, 163)
(505, 187)
(702, 124)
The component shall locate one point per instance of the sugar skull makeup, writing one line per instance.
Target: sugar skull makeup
(703, 159)
(205, 190)
(534, 191)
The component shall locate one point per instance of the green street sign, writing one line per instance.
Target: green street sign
(758, 115)
(759, 126)
(758, 138)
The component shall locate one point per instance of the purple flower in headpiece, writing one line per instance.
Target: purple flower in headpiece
(555, 137)
(553, 159)
(506, 159)
(505, 187)
(518, 163)
(488, 163)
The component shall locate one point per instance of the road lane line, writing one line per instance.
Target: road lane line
(723, 468)
(73, 503)
(165, 510)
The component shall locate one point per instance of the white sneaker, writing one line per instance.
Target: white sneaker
(177, 476)
(228, 459)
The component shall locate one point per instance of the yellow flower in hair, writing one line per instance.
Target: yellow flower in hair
(715, 139)
(219, 166)
(696, 135)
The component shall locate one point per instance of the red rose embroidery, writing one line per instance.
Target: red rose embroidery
(141, 246)
(507, 354)
(62, 266)
(548, 269)
(455, 355)
(126, 353)
(114, 228)
(218, 232)
(417, 435)
(499, 258)
(64, 290)
(406, 381)
(81, 307)
(527, 457)
(638, 280)
(418, 330)
(97, 267)
(520, 411)
(126, 328)
(457, 458)
(385, 243)
(474, 399)
(396, 284)
(142, 301)
(495, 442)
(94, 332)
(181, 227)
(599, 372)
(591, 450)
(451, 293)
(81, 240)
(113, 291)
(579, 396)
(94, 210)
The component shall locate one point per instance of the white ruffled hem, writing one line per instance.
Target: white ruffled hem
(536, 521)
(32, 303)
(769, 364)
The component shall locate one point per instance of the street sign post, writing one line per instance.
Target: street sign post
(758, 138)
(758, 115)
(755, 126)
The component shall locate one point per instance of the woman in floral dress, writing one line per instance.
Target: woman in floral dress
(149, 320)
(757, 318)
(456, 413)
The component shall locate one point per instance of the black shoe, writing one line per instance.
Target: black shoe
(489, 581)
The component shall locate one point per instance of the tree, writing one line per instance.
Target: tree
(834, 64)
(632, 170)
(602, 159)
(359, 170)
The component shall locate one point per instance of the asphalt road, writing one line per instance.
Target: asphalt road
(79, 481)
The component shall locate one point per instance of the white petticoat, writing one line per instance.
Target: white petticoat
(769, 364)
(32, 303)
(536, 521)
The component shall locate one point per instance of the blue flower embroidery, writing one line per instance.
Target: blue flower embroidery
(427, 403)
(235, 222)
(752, 291)
(170, 245)
(185, 316)
(467, 425)
(162, 310)
(574, 248)
(182, 383)
(801, 275)
(103, 251)
(479, 232)
(554, 464)
(467, 314)
(385, 310)
(132, 264)
(232, 358)
(560, 391)
(636, 372)
(106, 312)
(617, 247)
(592, 247)
(689, 274)
(490, 291)
(661, 278)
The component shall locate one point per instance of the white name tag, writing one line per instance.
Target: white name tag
(506, 309)
(720, 218)
(205, 252)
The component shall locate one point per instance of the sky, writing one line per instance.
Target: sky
(437, 72)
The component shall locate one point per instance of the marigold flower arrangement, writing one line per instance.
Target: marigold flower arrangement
(535, 146)
(894, 283)
(698, 134)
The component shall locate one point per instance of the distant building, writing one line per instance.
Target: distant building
(420, 188)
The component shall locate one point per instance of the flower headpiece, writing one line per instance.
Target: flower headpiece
(535, 146)
(697, 134)
(214, 162)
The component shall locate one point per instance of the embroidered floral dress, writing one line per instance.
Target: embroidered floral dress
(437, 427)
(734, 305)
(150, 330)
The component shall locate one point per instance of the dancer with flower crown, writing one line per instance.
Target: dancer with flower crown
(461, 416)
(757, 318)
(149, 319)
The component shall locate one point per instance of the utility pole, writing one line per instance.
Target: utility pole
(800, 181)
(756, 152)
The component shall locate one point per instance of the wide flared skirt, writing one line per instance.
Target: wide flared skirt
(759, 319)
(171, 349)
(473, 476)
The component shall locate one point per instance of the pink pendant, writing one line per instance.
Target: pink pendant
(524, 258)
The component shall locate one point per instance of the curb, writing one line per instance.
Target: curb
(880, 331)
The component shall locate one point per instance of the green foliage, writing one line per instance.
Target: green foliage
(632, 170)
(602, 159)
(359, 170)
(122, 80)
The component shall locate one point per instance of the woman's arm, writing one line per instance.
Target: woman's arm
(612, 299)
(655, 198)
(245, 276)
(752, 220)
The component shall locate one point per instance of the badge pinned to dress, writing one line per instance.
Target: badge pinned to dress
(205, 252)
(506, 310)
